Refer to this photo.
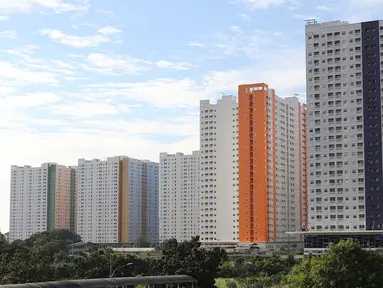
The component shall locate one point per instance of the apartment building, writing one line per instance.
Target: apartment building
(344, 75)
(42, 199)
(272, 167)
(219, 170)
(179, 196)
(117, 200)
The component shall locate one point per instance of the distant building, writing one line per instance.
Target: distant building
(42, 199)
(272, 167)
(219, 171)
(179, 196)
(118, 200)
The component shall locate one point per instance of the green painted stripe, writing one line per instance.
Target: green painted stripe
(51, 197)
(72, 200)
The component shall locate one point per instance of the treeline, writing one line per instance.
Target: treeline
(345, 265)
(45, 257)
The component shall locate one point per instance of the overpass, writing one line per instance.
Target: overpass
(173, 281)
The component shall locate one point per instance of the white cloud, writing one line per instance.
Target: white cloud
(322, 8)
(107, 12)
(237, 42)
(263, 4)
(286, 73)
(88, 110)
(305, 17)
(63, 64)
(196, 44)
(243, 17)
(8, 34)
(185, 126)
(109, 30)
(29, 62)
(174, 65)
(58, 6)
(75, 41)
(21, 76)
(159, 93)
(4, 18)
(28, 49)
(29, 100)
(109, 64)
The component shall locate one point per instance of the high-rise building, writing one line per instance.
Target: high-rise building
(179, 196)
(117, 200)
(344, 105)
(219, 170)
(345, 125)
(272, 166)
(42, 199)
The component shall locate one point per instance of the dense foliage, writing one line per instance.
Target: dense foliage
(345, 265)
(45, 257)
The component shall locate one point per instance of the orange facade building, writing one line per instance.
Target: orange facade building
(272, 166)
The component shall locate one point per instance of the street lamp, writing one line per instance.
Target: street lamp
(111, 274)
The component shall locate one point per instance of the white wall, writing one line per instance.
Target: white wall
(179, 196)
(219, 170)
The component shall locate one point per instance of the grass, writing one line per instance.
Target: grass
(221, 282)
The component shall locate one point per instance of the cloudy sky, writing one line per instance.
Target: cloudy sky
(95, 78)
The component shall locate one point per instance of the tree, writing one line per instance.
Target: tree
(142, 243)
(227, 269)
(189, 258)
(269, 266)
(344, 265)
(260, 281)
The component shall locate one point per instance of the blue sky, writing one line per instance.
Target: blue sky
(96, 78)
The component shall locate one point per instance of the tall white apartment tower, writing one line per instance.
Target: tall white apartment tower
(344, 106)
(179, 196)
(42, 199)
(219, 170)
(117, 200)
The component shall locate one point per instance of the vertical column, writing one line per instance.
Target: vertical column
(253, 163)
(274, 164)
(123, 201)
(73, 200)
(51, 197)
(246, 219)
(372, 125)
(144, 200)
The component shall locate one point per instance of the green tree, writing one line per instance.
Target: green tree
(269, 266)
(227, 269)
(189, 258)
(260, 281)
(344, 265)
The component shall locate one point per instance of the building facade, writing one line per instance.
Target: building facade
(219, 170)
(42, 199)
(179, 196)
(117, 200)
(272, 167)
(344, 125)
